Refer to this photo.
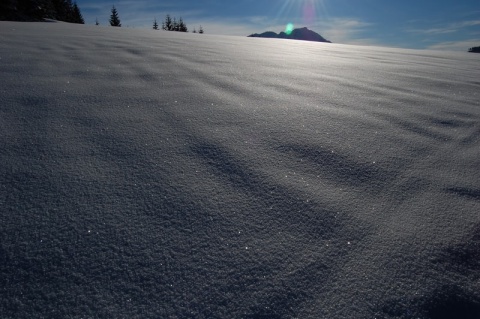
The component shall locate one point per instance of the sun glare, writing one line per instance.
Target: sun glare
(305, 12)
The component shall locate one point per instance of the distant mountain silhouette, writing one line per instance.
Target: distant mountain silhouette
(474, 50)
(297, 34)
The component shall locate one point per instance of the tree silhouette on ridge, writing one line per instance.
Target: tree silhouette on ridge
(114, 18)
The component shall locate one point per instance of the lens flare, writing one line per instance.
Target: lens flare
(309, 13)
(289, 28)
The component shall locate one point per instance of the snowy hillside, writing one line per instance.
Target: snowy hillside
(150, 174)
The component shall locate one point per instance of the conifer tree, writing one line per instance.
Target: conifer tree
(114, 19)
(60, 10)
(201, 30)
(8, 10)
(96, 22)
(68, 10)
(168, 26)
(194, 30)
(77, 15)
(182, 27)
(44, 9)
(36, 10)
(155, 24)
(175, 24)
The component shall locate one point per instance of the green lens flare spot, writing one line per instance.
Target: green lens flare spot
(289, 28)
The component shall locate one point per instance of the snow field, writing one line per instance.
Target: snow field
(149, 174)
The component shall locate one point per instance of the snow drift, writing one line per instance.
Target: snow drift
(150, 174)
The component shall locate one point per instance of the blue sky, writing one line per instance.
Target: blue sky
(419, 24)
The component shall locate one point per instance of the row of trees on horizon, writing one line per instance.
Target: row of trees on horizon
(173, 25)
(37, 10)
(169, 24)
(68, 11)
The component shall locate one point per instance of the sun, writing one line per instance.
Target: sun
(305, 12)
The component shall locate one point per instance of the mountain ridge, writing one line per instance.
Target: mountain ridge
(304, 34)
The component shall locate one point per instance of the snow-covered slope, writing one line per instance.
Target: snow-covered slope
(147, 174)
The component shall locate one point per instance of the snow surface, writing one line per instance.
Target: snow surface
(149, 174)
